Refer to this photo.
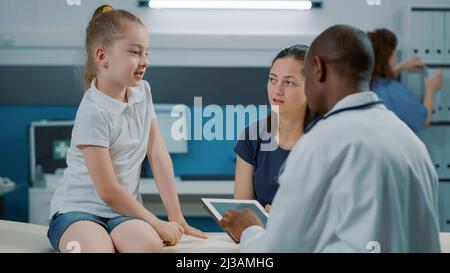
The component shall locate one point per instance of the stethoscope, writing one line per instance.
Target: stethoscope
(356, 107)
(316, 120)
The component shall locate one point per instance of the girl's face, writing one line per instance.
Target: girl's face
(285, 87)
(127, 58)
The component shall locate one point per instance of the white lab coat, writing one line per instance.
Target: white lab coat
(359, 181)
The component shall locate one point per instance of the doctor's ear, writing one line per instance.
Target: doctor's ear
(100, 57)
(319, 69)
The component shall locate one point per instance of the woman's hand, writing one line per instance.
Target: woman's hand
(267, 208)
(188, 230)
(434, 84)
(412, 64)
(169, 232)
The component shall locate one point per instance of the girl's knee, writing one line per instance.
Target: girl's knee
(85, 236)
(153, 246)
(145, 245)
(136, 236)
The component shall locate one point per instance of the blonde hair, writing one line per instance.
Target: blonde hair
(106, 26)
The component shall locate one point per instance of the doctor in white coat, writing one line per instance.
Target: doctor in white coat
(359, 180)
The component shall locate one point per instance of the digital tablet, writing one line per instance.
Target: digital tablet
(217, 207)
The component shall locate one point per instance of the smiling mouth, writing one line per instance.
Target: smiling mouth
(139, 75)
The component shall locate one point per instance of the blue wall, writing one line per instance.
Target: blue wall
(203, 158)
(14, 160)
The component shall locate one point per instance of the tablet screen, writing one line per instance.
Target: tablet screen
(217, 207)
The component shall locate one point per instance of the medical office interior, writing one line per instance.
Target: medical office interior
(220, 55)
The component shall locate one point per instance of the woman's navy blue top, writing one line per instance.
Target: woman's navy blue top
(266, 164)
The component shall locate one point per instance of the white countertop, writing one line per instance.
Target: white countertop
(186, 187)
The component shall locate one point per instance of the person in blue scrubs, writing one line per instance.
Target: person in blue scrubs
(257, 169)
(397, 98)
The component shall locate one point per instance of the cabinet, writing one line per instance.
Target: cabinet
(39, 205)
(429, 38)
(444, 206)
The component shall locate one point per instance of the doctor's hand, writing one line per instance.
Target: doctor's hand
(237, 221)
(188, 230)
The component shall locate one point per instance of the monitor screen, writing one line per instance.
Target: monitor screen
(165, 121)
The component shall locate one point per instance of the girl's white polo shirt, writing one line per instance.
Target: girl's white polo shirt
(123, 128)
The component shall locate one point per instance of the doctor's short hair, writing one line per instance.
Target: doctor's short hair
(297, 52)
(384, 43)
(106, 26)
(347, 50)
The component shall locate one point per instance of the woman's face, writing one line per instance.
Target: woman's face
(285, 86)
(393, 59)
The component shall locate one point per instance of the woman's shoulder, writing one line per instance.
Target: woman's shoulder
(256, 131)
(386, 83)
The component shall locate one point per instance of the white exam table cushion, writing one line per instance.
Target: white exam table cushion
(29, 238)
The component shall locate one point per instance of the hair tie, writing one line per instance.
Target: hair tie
(106, 9)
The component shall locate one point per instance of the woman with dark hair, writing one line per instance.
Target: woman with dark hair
(394, 94)
(257, 168)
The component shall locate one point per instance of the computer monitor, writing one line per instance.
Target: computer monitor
(166, 121)
(49, 142)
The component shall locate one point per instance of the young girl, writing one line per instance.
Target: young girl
(97, 206)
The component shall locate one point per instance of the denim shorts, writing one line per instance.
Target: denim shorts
(61, 221)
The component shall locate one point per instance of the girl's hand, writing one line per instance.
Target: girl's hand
(169, 232)
(188, 230)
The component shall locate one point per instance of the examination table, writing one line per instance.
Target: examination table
(23, 237)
